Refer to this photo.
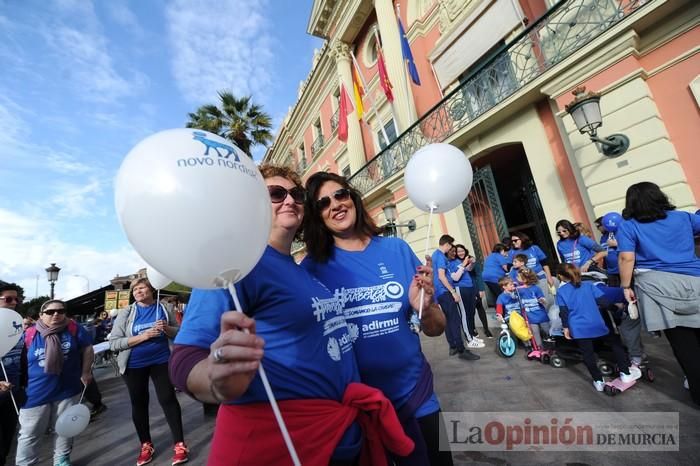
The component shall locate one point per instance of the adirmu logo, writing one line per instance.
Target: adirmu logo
(380, 324)
(223, 151)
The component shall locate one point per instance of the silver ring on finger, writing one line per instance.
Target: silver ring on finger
(218, 356)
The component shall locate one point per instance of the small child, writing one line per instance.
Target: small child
(534, 303)
(582, 321)
(507, 301)
(519, 261)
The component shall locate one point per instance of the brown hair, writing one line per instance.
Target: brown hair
(569, 273)
(139, 281)
(503, 281)
(529, 275)
(520, 258)
(268, 171)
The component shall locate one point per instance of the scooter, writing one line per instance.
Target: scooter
(506, 345)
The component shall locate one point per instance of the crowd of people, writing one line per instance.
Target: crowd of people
(338, 334)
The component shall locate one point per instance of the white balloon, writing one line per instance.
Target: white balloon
(73, 421)
(157, 279)
(194, 206)
(439, 177)
(10, 330)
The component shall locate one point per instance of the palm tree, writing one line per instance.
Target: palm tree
(238, 120)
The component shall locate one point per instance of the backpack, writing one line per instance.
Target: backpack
(30, 333)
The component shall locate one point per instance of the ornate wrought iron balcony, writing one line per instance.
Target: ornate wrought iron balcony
(317, 145)
(565, 28)
(334, 119)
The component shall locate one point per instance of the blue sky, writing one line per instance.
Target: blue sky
(82, 82)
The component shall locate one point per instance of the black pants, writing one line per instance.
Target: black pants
(494, 289)
(8, 426)
(137, 383)
(93, 395)
(685, 342)
(591, 361)
(466, 310)
(453, 327)
(479, 303)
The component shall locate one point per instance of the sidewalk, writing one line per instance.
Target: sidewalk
(490, 384)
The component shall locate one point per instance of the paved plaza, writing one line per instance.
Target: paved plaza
(490, 384)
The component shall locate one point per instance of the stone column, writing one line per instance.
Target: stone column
(391, 45)
(356, 149)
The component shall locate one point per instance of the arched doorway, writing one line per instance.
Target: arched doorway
(504, 199)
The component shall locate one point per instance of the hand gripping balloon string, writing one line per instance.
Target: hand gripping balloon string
(85, 385)
(268, 391)
(425, 253)
(11, 394)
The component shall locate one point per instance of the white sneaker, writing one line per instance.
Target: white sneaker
(478, 339)
(634, 374)
(475, 344)
(599, 385)
(685, 383)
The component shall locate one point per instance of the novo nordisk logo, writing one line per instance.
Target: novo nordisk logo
(223, 151)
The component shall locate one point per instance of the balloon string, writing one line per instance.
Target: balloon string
(425, 253)
(268, 391)
(85, 385)
(8, 380)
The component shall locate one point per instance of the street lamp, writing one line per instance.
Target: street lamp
(52, 275)
(86, 279)
(390, 229)
(585, 111)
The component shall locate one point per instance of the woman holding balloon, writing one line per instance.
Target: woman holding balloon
(140, 338)
(379, 281)
(293, 326)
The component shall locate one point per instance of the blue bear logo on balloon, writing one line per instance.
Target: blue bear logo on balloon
(16, 326)
(216, 145)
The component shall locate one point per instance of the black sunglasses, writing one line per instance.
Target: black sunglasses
(50, 312)
(343, 194)
(279, 194)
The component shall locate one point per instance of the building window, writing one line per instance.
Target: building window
(318, 138)
(390, 129)
(346, 171)
(335, 104)
(370, 48)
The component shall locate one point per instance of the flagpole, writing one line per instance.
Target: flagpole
(407, 86)
(369, 97)
(393, 108)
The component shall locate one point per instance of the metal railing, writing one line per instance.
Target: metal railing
(317, 145)
(565, 28)
(334, 119)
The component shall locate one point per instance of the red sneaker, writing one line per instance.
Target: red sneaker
(181, 452)
(146, 455)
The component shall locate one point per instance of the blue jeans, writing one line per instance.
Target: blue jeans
(453, 327)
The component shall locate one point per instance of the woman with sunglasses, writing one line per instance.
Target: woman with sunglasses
(58, 359)
(577, 249)
(9, 299)
(536, 261)
(293, 326)
(140, 339)
(379, 280)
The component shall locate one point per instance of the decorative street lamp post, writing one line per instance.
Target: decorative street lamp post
(391, 228)
(52, 275)
(585, 111)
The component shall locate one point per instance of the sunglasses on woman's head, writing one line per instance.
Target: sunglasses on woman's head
(50, 312)
(343, 194)
(279, 194)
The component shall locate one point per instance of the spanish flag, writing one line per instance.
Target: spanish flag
(359, 92)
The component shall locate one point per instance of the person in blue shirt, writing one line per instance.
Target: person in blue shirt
(656, 248)
(460, 278)
(577, 249)
(9, 298)
(58, 358)
(536, 261)
(582, 321)
(507, 301)
(140, 337)
(380, 281)
(534, 302)
(495, 267)
(609, 244)
(519, 263)
(479, 288)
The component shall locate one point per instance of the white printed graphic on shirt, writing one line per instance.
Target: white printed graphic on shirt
(330, 312)
(383, 299)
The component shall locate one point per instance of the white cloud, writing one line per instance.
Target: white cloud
(123, 16)
(234, 52)
(74, 200)
(30, 244)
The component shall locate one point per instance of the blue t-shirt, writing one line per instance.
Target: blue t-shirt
(45, 388)
(513, 274)
(493, 267)
(665, 245)
(439, 262)
(465, 280)
(509, 302)
(611, 259)
(535, 256)
(153, 351)
(584, 319)
(536, 312)
(373, 285)
(577, 251)
(308, 345)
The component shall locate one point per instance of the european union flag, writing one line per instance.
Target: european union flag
(407, 55)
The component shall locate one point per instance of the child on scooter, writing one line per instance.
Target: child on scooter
(508, 302)
(578, 308)
(534, 303)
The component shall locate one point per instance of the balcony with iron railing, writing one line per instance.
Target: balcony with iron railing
(317, 145)
(565, 28)
(334, 119)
